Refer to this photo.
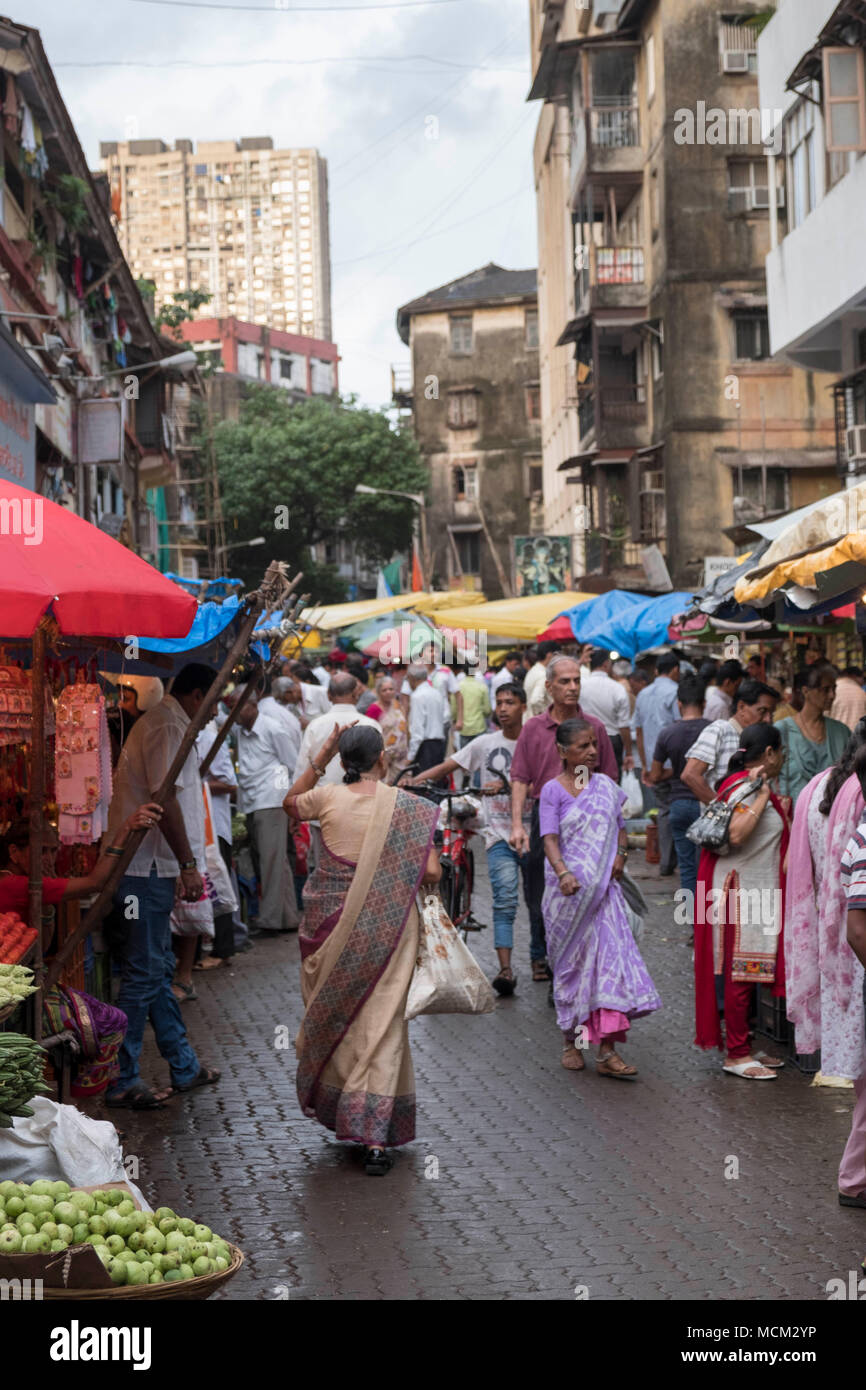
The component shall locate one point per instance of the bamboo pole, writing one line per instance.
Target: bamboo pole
(257, 675)
(37, 804)
(257, 601)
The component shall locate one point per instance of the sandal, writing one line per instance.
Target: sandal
(211, 962)
(506, 981)
(541, 972)
(612, 1065)
(208, 1076)
(750, 1070)
(187, 992)
(138, 1097)
(768, 1060)
(377, 1162)
(572, 1058)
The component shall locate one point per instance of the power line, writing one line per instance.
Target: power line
(286, 62)
(397, 246)
(286, 9)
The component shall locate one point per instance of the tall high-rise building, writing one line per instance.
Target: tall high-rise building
(239, 219)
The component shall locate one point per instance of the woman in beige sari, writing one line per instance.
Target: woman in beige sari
(359, 943)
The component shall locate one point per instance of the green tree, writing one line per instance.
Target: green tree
(182, 308)
(288, 472)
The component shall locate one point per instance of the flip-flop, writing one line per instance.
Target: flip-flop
(765, 1061)
(505, 982)
(743, 1069)
(188, 992)
(211, 962)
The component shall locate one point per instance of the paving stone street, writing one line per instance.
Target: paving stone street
(526, 1181)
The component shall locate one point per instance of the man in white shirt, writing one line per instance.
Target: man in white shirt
(509, 672)
(282, 705)
(604, 697)
(267, 757)
(535, 685)
(426, 722)
(168, 860)
(223, 785)
(719, 703)
(314, 695)
(444, 680)
(343, 693)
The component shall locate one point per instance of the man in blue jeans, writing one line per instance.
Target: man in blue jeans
(490, 756)
(167, 865)
(669, 759)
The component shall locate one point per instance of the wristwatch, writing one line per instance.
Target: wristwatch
(187, 864)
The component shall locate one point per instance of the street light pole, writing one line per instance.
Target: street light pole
(419, 525)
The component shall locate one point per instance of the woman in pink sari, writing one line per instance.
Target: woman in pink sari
(359, 943)
(600, 982)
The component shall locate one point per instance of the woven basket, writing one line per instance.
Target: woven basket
(199, 1288)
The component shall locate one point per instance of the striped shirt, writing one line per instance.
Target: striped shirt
(715, 746)
(853, 869)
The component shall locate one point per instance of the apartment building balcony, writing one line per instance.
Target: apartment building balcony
(613, 416)
(612, 277)
(605, 140)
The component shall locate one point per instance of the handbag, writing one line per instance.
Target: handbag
(447, 978)
(713, 827)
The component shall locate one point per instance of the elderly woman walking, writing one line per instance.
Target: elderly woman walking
(395, 729)
(359, 943)
(600, 982)
(738, 909)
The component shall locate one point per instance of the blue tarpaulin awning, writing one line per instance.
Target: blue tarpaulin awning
(626, 623)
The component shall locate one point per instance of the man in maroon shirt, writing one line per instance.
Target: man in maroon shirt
(536, 762)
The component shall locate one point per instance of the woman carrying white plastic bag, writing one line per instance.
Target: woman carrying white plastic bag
(447, 978)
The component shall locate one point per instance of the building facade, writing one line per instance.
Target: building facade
(812, 69)
(671, 427)
(301, 365)
(474, 400)
(240, 220)
(98, 440)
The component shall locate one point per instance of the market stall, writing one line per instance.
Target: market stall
(510, 619)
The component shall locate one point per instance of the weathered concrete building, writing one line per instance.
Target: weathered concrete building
(474, 397)
(671, 427)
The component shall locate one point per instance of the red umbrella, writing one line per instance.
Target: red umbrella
(560, 630)
(52, 561)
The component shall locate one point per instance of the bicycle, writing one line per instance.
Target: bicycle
(456, 857)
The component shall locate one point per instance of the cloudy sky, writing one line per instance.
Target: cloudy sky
(368, 84)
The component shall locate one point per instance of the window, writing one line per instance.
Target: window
(655, 203)
(753, 337)
(650, 67)
(461, 332)
(764, 488)
(652, 504)
(468, 551)
(738, 44)
(465, 480)
(844, 99)
(534, 477)
(802, 172)
(462, 409)
(530, 319)
(748, 186)
(533, 402)
(657, 352)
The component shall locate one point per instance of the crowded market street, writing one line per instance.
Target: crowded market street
(550, 1185)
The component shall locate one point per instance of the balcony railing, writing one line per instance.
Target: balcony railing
(614, 126)
(619, 265)
(625, 404)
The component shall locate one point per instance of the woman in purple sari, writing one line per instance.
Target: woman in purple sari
(600, 982)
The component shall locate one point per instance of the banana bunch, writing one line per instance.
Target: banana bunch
(15, 984)
(21, 1076)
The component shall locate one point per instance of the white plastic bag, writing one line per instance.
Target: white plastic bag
(633, 808)
(217, 879)
(59, 1143)
(193, 919)
(447, 978)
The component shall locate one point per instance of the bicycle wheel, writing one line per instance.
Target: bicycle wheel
(460, 911)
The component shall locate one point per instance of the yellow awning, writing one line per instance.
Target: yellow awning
(804, 570)
(331, 616)
(451, 598)
(519, 618)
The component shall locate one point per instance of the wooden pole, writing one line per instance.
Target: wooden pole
(37, 803)
(257, 675)
(258, 600)
(503, 578)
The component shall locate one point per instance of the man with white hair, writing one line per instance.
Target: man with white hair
(426, 720)
(283, 705)
(343, 692)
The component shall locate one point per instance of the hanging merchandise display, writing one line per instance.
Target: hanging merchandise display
(15, 705)
(82, 764)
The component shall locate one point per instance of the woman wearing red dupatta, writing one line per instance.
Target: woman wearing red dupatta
(359, 944)
(739, 908)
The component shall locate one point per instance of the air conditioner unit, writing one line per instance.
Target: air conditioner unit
(654, 482)
(735, 60)
(761, 197)
(855, 441)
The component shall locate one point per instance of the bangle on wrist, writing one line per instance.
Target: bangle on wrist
(115, 850)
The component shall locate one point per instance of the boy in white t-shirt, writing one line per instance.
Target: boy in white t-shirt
(490, 755)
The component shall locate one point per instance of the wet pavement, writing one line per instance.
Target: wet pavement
(526, 1181)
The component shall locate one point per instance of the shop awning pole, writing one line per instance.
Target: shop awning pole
(37, 804)
(273, 592)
